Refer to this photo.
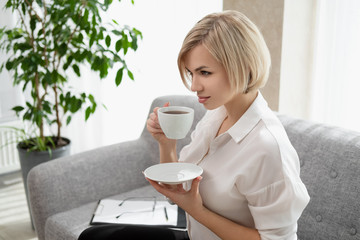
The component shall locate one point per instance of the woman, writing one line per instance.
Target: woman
(250, 188)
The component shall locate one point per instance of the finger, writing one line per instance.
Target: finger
(154, 130)
(152, 124)
(195, 184)
(179, 187)
(152, 116)
(170, 186)
(155, 110)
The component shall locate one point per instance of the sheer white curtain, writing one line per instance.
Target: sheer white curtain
(164, 25)
(336, 82)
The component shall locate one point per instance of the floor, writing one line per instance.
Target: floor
(14, 213)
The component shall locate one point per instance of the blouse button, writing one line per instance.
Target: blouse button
(353, 231)
(333, 174)
(318, 218)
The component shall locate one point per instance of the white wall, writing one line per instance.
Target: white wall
(9, 95)
(164, 25)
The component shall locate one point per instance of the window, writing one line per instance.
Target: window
(335, 95)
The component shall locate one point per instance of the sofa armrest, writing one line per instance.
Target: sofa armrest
(69, 182)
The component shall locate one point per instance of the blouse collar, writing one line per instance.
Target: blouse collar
(249, 119)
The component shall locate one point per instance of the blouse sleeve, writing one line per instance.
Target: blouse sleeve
(277, 208)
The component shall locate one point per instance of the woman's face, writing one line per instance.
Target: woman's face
(208, 78)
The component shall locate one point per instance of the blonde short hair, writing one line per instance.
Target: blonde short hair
(235, 42)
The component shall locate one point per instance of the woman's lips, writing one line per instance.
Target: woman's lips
(203, 99)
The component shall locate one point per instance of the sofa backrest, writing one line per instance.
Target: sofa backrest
(330, 169)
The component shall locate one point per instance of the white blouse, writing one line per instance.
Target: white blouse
(251, 173)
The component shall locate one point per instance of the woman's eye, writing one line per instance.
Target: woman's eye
(205, 73)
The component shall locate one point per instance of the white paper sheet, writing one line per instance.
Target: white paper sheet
(136, 212)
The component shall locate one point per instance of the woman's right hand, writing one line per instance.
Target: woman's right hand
(154, 128)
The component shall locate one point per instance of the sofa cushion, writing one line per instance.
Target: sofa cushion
(330, 169)
(68, 225)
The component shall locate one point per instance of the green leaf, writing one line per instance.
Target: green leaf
(126, 43)
(68, 62)
(62, 49)
(116, 32)
(27, 115)
(91, 98)
(92, 39)
(130, 74)
(68, 120)
(104, 67)
(28, 104)
(61, 78)
(9, 64)
(119, 76)
(18, 109)
(93, 107)
(134, 44)
(8, 4)
(54, 76)
(46, 107)
(108, 41)
(74, 104)
(86, 15)
(93, 20)
(33, 23)
(77, 55)
(118, 45)
(80, 38)
(76, 69)
(47, 77)
(87, 113)
(137, 32)
(101, 35)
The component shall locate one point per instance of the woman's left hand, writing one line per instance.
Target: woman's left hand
(190, 201)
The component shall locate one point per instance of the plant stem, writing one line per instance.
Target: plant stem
(44, 32)
(37, 82)
(58, 122)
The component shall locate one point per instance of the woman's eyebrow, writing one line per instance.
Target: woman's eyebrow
(198, 68)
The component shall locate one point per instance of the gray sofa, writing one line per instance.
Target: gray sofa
(63, 193)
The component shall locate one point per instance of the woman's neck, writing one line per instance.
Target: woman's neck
(235, 109)
(238, 106)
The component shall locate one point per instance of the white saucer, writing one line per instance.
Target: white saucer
(173, 173)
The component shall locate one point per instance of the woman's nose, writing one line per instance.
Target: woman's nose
(195, 84)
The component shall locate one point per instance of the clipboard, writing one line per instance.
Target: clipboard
(139, 211)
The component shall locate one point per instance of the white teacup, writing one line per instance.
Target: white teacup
(175, 121)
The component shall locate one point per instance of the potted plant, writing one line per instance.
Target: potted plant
(52, 39)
